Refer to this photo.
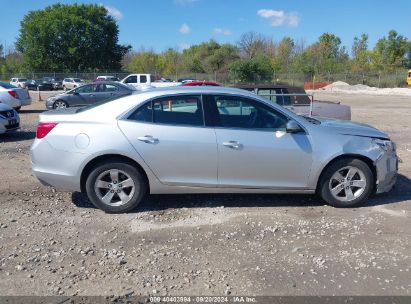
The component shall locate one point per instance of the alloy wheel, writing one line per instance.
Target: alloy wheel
(60, 105)
(347, 183)
(114, 187)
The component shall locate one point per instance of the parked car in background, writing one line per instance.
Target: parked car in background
(208, 140)
(72, 83)
(186, 80)
(56, 83)
(201, 83)
(409, 78)
(40, 85)
(142, 81)
(13, 96)
(107, 78)
(31, 85)
(43, 85)
(18, 82)
(301, 102)
(9, 119)
(89, 94)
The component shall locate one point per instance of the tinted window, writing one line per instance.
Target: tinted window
(131, 79)
(143, 113)
(85, 89)
(143, 79)
(77, 79)
(176, 110)
(239, 112)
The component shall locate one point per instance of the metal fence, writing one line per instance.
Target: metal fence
(375, 79)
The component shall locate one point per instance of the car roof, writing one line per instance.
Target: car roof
(116, 83)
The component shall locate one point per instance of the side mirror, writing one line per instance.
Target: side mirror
(293, 127)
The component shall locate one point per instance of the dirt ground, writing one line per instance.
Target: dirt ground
(56, 243)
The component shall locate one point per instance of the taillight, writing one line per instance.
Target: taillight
(13, 94)
(44, 128)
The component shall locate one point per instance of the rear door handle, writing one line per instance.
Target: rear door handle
(148, 139)
(232, 144)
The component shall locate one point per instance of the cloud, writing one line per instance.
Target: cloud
(184, 2)
(222, 31)
(185, 29)
(280, 18)
(114, 12)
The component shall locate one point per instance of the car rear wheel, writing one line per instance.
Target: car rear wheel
(115, 187)
(346, 183)
(60, 104)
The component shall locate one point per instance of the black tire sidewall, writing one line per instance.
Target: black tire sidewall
(326, 193)
(133, 172)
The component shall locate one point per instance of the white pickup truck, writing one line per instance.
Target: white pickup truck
(142, 81)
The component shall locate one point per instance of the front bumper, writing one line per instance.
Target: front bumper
(7, 126)
(387, 171)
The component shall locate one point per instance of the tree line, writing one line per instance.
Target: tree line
(84, 38)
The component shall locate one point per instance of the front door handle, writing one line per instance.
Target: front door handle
(148, 139)
(232, 144)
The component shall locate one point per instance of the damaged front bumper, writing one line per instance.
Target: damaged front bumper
(387, 171)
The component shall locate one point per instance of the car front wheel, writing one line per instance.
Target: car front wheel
(347, 183)
(115, 187)
(60, 104)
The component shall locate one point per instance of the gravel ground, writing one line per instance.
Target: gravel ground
(56, 243)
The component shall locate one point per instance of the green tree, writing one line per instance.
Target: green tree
(222, 57)
(144, 62)
(285, 53)
(254, 69)
(70, 38)
(390, 53)
(360, 54)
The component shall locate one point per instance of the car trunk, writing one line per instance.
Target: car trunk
(21, 93)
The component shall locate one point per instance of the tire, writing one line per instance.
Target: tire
(106, 191)
(347, 182)
(18, 109)
(64, 88)
(60, 104)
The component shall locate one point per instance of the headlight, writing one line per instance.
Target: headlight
(386, 145)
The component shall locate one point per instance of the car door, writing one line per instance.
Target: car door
(82, 96)
(170, 136)
(254, 149)
(108, 90)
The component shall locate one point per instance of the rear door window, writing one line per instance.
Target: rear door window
(143, 79)
(173, 110)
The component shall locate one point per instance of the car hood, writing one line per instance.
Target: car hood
(352, 128)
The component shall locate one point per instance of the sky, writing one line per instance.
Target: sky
(162, 24)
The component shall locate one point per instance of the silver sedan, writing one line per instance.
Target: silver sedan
(207, 139)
